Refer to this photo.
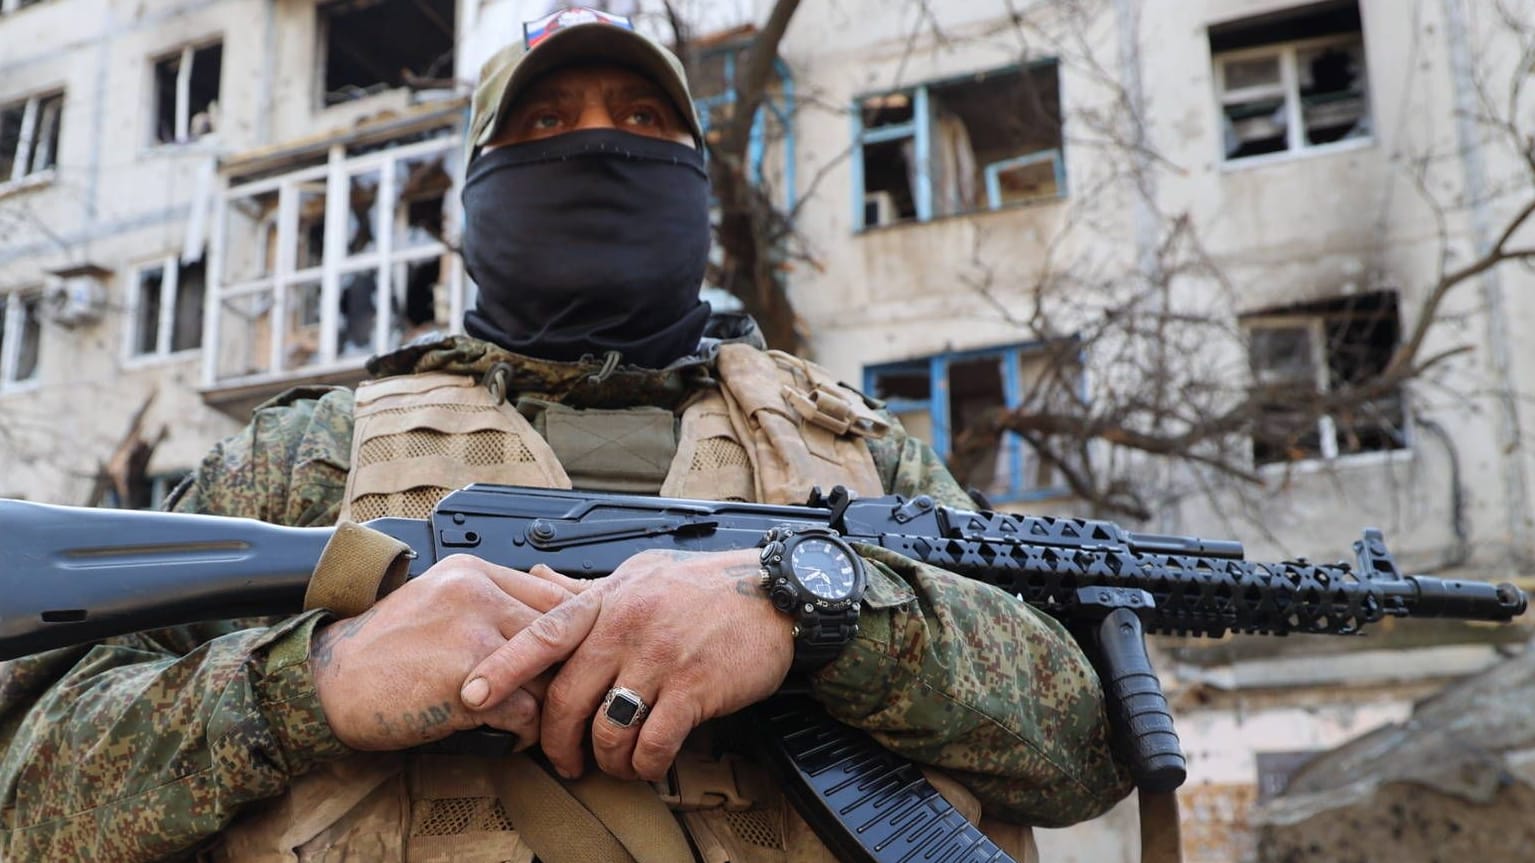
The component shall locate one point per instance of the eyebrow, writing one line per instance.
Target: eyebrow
(570, 94)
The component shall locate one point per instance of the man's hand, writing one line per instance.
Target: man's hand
(692, 633)
(389, 677)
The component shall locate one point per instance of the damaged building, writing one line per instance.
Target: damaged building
(204, 205)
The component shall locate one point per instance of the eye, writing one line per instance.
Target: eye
(544, 120)
(643, 117)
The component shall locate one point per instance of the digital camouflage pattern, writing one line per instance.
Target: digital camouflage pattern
(143, 747)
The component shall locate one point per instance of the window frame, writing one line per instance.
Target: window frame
(1296, 145)
(185, 55)
(920, 128)
(1011, 446)
(780, 106)
(1327, 428)
(12, 327)
(272, 288)
(23, 170)
(170, 268)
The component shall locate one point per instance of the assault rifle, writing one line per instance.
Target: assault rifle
(71, 576)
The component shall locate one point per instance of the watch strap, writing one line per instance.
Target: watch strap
(821, 636)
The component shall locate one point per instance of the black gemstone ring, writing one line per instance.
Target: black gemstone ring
(624, 707)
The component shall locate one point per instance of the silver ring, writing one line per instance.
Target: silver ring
(624, 707)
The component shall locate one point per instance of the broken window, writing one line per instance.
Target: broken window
(1300, 353)
(988, 141)
(340, 276)
(29, 136)
(1291, 81)
(187, 93)
(21, 332)
(166, 308)
(377, 45)
(714, 63)
(939, 399)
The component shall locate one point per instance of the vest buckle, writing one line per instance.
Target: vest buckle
(826, 408)
(697, 781)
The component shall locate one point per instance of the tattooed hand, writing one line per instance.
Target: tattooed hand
(389, 678)
(692, 633)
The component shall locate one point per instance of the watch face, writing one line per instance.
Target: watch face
(824, 568)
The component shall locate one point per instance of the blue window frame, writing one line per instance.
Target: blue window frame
(715, 99)
(983, 142)
(937, 398)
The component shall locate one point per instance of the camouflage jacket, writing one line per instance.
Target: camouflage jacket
(144, 747)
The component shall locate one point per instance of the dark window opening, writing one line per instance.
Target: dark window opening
(897, 385)
(31, 337)
(1332, 91)
(158, 330)
(1005, 131)
(358, 312)
(975, 389)
(11, 117)
(418, 293)
(943, 399)
(191, 290)
(424, 184)
(1289, 25)
(29, 136)
(377, 45)
(187, 93)
(147, 320)
(309, 251)
(21, 329)
(1299, 353)
(887, 196)
(991, 140)
(144, 492)
(45, 140)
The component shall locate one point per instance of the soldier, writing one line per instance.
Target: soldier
(590, 363)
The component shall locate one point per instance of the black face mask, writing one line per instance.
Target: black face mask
(589, 242)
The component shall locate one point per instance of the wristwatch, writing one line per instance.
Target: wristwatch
(812, 575)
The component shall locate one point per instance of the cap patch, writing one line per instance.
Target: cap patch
(534, 32)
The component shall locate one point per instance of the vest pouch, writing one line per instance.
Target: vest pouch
(711, 464)
(628, 450)
(800, 428)
(418, 437)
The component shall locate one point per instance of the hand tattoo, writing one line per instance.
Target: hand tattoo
(322, 651)
(424, 725)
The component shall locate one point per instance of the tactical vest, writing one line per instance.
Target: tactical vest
(776, 426)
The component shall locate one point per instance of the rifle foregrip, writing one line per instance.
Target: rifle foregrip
(1141, 717)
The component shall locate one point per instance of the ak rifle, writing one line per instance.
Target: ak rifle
(72, 575)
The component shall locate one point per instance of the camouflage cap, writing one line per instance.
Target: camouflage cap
(573, 35)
